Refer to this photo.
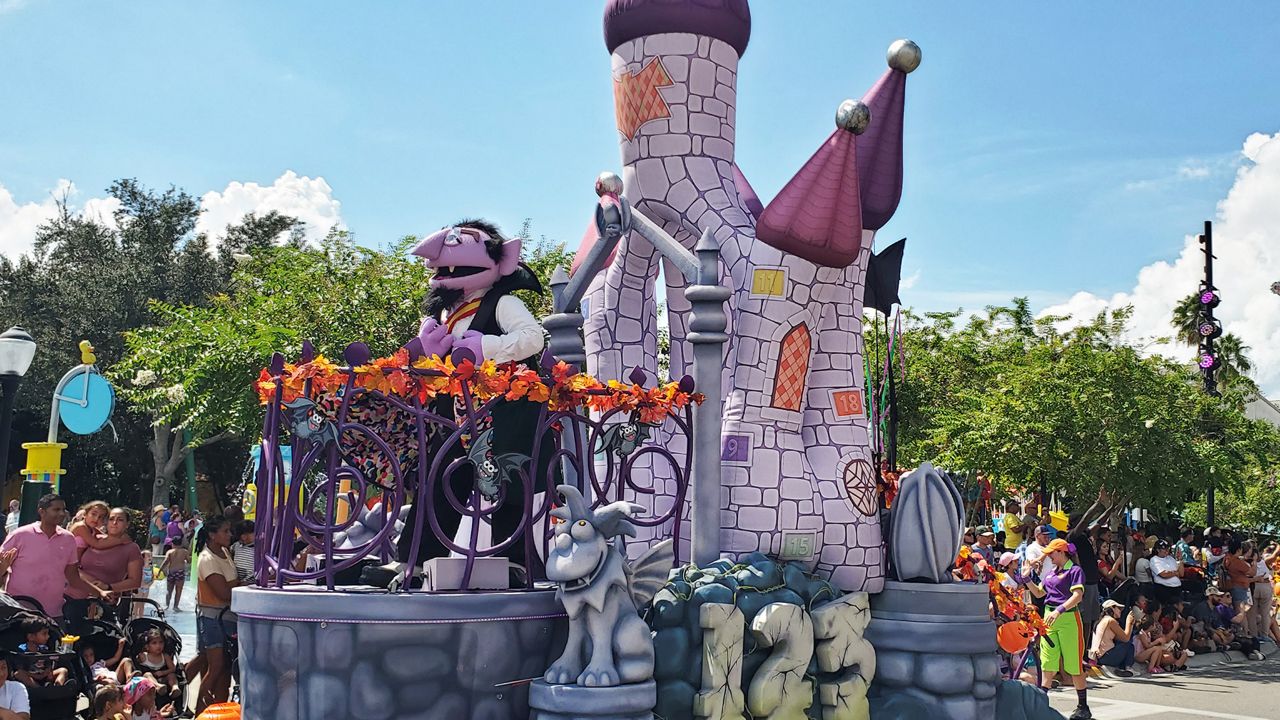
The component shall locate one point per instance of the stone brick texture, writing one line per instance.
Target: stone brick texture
(679, 171)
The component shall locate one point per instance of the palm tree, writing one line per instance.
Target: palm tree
(1233, 354)
(1236, 364)
(1186, 319)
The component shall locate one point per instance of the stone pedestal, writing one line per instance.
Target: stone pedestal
(372, 655)
(574, 702)
(936, 643)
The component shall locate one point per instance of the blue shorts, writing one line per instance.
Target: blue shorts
(210, 633)
(1239, 595)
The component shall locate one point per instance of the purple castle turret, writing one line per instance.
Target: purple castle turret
(798, 480)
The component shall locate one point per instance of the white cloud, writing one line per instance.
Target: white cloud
(11, 5)
(909, 281)
(1193, 171)
(1246, 240)
(308, 199)
(18, 222)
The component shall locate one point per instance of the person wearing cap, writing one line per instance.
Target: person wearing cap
(983, 544)
(1037, 551)
(1008, 564)
(1012, 525)
(1112, 644)
(156, 531)
(1062, 587)
(1166, 574)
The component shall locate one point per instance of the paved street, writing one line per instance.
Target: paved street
(1238, 691)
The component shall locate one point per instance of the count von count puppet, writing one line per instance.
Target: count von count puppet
(472, 313)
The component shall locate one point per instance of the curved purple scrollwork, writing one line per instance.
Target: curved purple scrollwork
(360, 457)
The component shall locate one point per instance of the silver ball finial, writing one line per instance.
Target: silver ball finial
(904, 55)
(608, 183)
(854, 116)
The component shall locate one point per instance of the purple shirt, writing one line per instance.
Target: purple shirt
(40, 569)
(107, 566)
(1059, 584)
(1225, 614)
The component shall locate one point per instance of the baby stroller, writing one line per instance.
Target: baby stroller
(53, 702)
(231, 650)
(135, 632)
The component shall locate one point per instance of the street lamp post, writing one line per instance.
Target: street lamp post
(17, 348)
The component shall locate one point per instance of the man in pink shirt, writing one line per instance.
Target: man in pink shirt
(40, 559)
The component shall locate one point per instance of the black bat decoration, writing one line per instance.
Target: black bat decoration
(492, 470)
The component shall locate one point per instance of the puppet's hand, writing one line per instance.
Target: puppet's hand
(435, 338)
(472, 342)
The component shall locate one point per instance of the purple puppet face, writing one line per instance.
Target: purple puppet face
(463, 258)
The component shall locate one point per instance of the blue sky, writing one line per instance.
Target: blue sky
(1049, 150)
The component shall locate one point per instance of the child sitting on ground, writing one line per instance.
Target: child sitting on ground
(40, 672)
(140, 694)
(108, 703)
(101, 672)
(155, 664)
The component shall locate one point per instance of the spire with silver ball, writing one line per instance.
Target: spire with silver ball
(854, 116)
(904, 55)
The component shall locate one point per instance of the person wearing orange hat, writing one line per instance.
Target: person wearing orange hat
(1062, 588)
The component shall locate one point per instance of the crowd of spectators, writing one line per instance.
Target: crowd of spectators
(1132, 597)
(75, 568)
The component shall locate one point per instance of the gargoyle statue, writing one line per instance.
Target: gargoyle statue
(602, 594)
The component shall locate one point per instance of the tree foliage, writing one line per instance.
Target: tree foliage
(1082, 410)
(196, 366)
(88, 278)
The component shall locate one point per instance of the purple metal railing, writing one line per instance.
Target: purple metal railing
(306, 511)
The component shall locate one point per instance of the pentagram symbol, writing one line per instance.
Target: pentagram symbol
(860, 484)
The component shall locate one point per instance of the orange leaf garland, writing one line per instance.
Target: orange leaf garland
(430, 376)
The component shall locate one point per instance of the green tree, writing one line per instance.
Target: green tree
(1010, 395)
(197, 365)
(1186, 319)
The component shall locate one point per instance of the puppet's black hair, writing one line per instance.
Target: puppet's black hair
(496, 238)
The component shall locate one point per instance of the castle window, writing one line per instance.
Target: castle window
(793, 369)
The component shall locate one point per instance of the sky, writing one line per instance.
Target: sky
(1059, 153)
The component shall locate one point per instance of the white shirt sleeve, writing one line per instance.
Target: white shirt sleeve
(17, 696)
(521, 337)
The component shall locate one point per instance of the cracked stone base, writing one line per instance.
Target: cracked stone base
(573, 702)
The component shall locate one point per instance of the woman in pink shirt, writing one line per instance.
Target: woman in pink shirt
(90, 532)
(116, 569)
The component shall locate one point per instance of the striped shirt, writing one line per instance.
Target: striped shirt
(242, 558)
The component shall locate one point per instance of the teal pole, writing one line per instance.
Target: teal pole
(190, 463)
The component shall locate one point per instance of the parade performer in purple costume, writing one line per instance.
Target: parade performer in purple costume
(1060, 650)
(471, 313)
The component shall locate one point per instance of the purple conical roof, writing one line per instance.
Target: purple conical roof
(817, 215)
(727, 20)
(880, 150)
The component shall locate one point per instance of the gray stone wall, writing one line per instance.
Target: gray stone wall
(375, 656)
(936, 643)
